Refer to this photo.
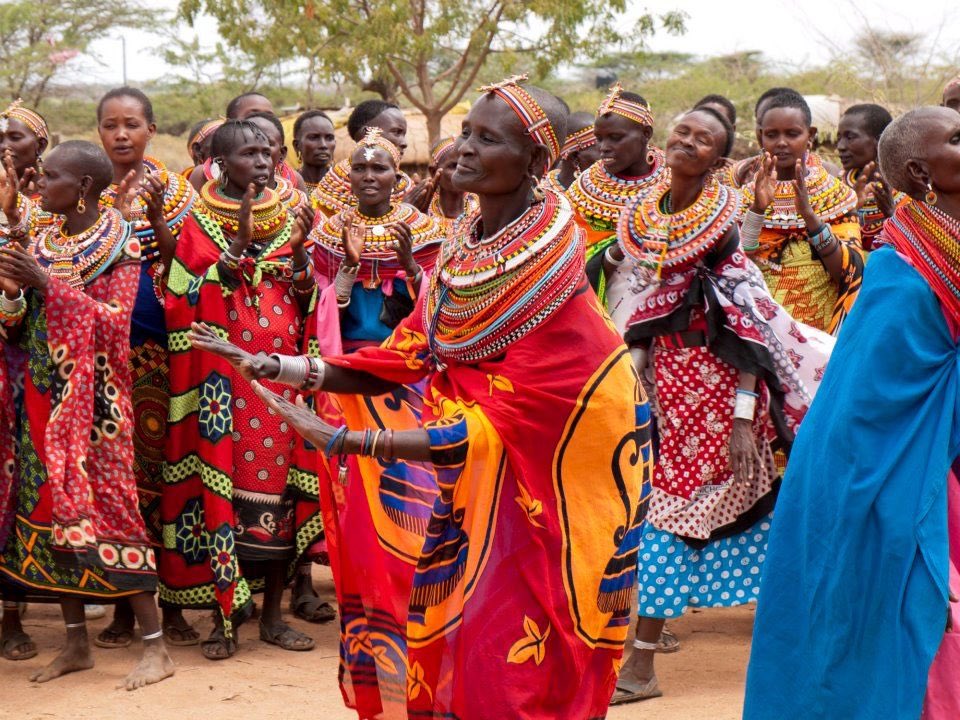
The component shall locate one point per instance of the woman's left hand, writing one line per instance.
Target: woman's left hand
(403, 239)
(302, 224)
(744, 458)
(301, 418)
(151, 190)
(21, 267)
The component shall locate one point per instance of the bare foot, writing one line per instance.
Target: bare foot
(72, 659)
(154, 666)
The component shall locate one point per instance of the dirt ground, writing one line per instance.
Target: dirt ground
(704, 681)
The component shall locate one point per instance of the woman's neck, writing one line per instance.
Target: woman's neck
(313, 173)
(638, 168)
(684, 191)
(75, 222)
(498, 211)
(567, 174)
(787, 173)
(375, 210)
(121, 170)
(451, 202)
(949, 205)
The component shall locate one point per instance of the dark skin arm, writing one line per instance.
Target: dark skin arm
(301, 228)
(152, 193)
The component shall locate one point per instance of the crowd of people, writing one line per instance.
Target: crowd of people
(567, 372)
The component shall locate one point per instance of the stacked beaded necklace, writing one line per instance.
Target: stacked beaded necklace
(551, 182)
(292, 197)
(269, 214)
(830, 199)
(378, 261)
(79, 259)
(658, 240)
(600, 197)
(178, 198)
(469, 206)
(333, 192)
(488, 292)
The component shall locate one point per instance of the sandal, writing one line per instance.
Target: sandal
(218, 646)
(181, 636)
(310, 608)
(668, 642)
(111, 637)
(284, 636)
(627, 692)
(18, 638)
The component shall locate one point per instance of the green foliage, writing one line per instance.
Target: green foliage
(37, 38)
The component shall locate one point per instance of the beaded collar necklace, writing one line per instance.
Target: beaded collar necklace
(658, 240)
(291, 197)
(178, 198)
(333, 192)
(79, 259)
(488, 292)
(870, 215)
(269, 214)
(600, 197)
(551, 182)
(830, 199)
(469, 205)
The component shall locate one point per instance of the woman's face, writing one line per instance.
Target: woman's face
(695, 144)
(394, 126)
(24, 146)
(494, 153)
(942, 143)
(278, 150)
(447, 168)
(621, 142)
(250, 161)
(316, 142)
(58, 185)
(372, 175)
(124, 130)
(785, 134)
(855, 145)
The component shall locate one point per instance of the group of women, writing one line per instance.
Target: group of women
(213, 379)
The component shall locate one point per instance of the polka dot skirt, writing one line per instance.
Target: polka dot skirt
(673, 575)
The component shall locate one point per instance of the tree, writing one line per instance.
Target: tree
(39, 37)
(433, 52)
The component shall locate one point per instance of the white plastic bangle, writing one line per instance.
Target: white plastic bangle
(612, 260)
(745, 407)
(750, 230)
(343, 282)
(11, 306)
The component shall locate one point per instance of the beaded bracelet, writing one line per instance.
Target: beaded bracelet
(821, 239)
(22, 228)
(338, 436)
(302, 273)
(314, 380)
(230, 261)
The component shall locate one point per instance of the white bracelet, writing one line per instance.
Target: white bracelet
(314, 379)
(343, 283)
(745, 407)
(642, 645)
(293, 369)
(610, 259)
(11, 306)
(750, 230)
(153, 636)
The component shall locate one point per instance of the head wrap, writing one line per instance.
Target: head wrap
(442, 149)
(577, 141)
(534, 119)
(630, 109)
(374, 139)
(16, 111)
(205, 131)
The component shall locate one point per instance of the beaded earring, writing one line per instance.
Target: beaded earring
(81, 205)
(931, 197)
(215, 170)
(538, 195)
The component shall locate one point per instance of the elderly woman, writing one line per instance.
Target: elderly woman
(863, 557)
(69, 290)
(533, 414)
(733, 375)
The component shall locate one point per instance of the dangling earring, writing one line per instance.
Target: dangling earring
(81, 205)
(299, 157)
(214, 170)
(538, 195)
(651, 157)
(931, 197)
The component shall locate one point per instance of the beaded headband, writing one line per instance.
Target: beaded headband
(534, 119)
(630, 109)
(374, 139)
(206, 130)
(577, 141)
(16, 111)
(440, 151)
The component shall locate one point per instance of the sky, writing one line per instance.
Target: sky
(800, 32)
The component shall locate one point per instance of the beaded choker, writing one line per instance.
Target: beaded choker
(488, 292)
(378, 260)
(830, 199)
(79, 259)
(178, 198)
(930, 239)
(658, 240)
(600, 197)
(269, 214)
(333, 192)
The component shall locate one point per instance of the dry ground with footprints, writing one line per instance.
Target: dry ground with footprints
(704, 681)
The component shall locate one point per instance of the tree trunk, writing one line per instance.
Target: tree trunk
(433, 126)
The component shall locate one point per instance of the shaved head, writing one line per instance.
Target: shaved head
(905, 142)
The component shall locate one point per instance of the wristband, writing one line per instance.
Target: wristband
(745, 407)
(750, 230)
(343, 283)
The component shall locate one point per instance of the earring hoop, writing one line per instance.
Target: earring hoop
(931, 197)
(81, 205)
(222, 179)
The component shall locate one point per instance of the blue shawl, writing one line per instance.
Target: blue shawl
(853, 600)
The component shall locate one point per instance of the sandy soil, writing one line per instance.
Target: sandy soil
(704, 681)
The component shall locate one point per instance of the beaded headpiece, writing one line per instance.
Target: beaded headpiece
(16, 111)
(441, 150)
(614, 102)
(374, 139)
(577, 141)
(205, 131)
(534, 119)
